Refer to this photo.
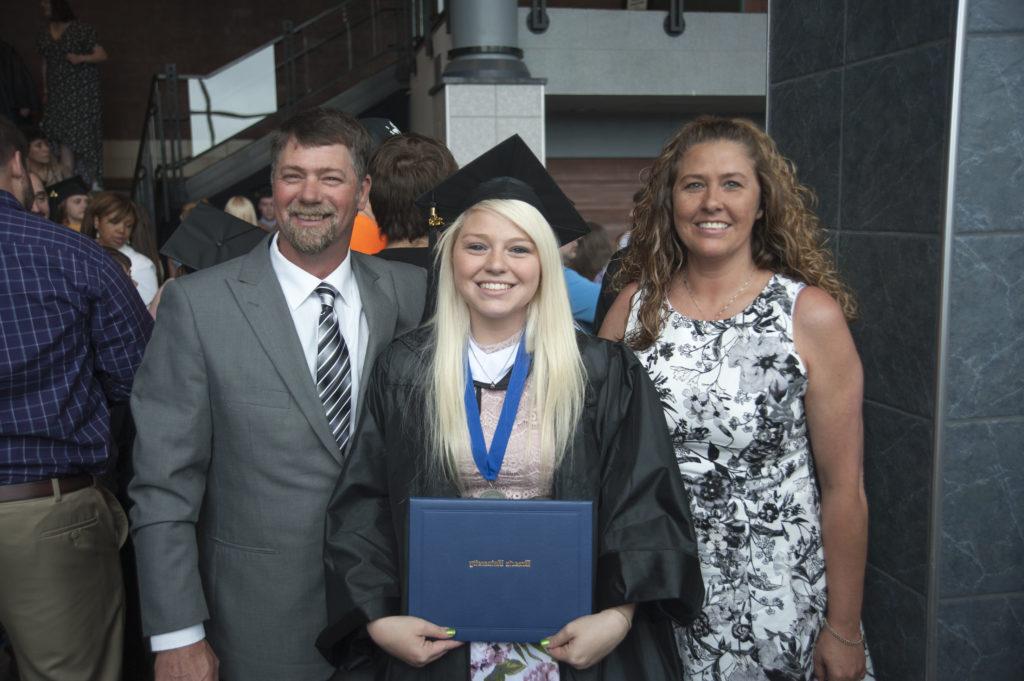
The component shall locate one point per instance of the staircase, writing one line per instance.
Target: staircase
(209, 136)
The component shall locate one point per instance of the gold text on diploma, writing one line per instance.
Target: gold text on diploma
(500, 564)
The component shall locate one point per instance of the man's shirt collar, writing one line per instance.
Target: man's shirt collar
(298, 284)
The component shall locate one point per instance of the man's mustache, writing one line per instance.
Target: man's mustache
(311, 211)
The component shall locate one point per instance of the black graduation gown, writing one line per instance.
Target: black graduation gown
(621, 458)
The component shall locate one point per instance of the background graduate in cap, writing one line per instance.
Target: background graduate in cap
(206, 237)
(68, 200)
(588, 425)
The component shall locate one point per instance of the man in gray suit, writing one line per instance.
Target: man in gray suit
(245, 403)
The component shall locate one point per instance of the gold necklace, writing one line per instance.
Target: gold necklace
(728, 303)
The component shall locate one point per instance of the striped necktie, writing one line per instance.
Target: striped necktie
(333, 370)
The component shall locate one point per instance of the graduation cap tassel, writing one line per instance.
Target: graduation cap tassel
(435, 220)
(508, 171)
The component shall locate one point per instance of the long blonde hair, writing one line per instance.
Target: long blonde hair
(557, 382)
(241, 208)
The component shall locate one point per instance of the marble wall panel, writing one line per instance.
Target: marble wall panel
(995, 15)
(982, 535)
(990, 159)
(470, 136)
(806, 36)
(894, 625)
(981, 638)
(986, 346)
(471, 100)
(877, 27)
(897, 476)
(894, 142)
(806, 116)
(520, 100)
(896, 280)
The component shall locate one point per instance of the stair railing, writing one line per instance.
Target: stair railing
(311, 60)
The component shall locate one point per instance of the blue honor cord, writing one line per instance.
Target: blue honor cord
(488, 462)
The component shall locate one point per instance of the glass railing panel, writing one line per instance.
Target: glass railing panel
(224, 104)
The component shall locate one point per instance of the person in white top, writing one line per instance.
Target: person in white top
(116, 222)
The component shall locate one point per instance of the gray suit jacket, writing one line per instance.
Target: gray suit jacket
(235, 462)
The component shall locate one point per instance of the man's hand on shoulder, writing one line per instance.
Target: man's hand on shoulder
(195, 662)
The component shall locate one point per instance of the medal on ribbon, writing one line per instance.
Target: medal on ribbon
(488, 460)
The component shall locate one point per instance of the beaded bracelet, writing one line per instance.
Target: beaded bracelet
(845, 641)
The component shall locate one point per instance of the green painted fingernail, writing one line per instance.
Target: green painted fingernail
(545, 643)
(450, 632)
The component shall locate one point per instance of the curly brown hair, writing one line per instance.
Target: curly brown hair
(787, 239)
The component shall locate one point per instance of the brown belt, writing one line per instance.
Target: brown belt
(43, 488)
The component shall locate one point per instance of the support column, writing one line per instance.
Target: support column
(485, 93)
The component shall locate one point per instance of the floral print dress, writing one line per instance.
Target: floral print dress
(733, 393)
(73, 111)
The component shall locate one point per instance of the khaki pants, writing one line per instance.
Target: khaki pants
(61, 593)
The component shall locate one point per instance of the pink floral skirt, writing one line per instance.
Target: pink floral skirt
(511, 662)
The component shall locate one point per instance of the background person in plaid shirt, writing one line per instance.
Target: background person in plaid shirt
(72, 333)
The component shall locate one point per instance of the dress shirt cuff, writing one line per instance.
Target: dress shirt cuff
(177, 639)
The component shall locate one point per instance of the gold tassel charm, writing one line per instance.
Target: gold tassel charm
(435, 220)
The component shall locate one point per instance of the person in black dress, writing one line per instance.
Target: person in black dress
(17, 91)
(72, 112)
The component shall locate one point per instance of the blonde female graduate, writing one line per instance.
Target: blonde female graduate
(588, 426)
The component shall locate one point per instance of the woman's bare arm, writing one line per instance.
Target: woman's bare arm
(833, 404)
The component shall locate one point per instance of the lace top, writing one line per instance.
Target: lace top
(524, 474)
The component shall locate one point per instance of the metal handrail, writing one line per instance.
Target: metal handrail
(273, 41)
(161, 159)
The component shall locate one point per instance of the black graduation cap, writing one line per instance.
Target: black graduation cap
(57, 192)
(209, 236)
(507, 171)
(380, 129)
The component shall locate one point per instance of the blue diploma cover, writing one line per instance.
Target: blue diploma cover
(497, 570)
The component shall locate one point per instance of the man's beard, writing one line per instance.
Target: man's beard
(310, 240)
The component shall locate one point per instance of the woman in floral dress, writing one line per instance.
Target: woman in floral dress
(734, 307)
(72, 113)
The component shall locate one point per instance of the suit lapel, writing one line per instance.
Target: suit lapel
(380, 305)
(262, 302)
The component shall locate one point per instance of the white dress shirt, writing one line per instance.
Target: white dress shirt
(143, 273)
(299, 288)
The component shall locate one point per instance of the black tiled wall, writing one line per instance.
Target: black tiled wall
(860, 99)
(861, 107)
(980, 632)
